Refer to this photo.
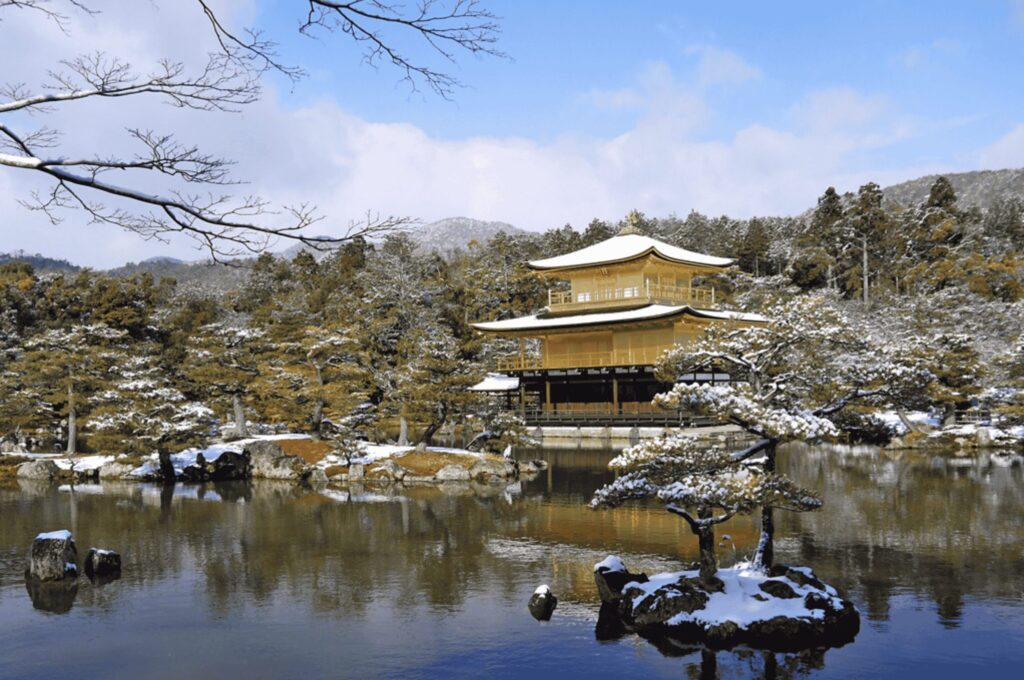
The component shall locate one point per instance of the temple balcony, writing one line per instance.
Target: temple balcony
(621, 298)
(633, 357)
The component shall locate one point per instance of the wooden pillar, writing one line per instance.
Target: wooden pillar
(522, 353)
(547, 395)
(615, 395)
(522, 398)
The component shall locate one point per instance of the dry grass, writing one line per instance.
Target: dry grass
(310, 450)
(9, 467)
(427, 463)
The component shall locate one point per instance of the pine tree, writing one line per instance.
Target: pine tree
(222, 362)
(706, 486)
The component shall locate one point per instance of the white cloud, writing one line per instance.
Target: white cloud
(718, 66)
(664, 162)
(1005, 152)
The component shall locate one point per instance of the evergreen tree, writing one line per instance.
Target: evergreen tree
(222, 362)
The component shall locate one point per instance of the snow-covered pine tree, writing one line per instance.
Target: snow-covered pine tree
(705, 485)
(431, 385)
(222, 362)
(141, 410)
(789, 375)
(56, 373)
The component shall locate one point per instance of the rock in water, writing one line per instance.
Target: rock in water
(610, 576)
(316, 478)
(38, 469)
(102, 564)
(52, 556)
(268, 461)
(542, 603)
(452, 473)
(115, 470)
(486, 469)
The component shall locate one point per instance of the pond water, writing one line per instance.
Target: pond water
(274, 581)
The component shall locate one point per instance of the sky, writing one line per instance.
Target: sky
(737, 108)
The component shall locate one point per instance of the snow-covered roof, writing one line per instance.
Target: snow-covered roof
(537, 323)
(626, 247)
(496, 382)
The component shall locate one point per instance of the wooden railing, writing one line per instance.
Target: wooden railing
(604, 414)
(564, 301)
(633, 357)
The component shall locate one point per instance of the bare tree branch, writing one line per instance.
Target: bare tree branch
(226, 226)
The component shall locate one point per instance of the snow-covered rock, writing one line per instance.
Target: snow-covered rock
(610, 576)
(785, 609)
(542, 603)
(53, 556)
(101, 563)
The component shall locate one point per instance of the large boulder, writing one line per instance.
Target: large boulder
(268, 461)
(452, 473)
(115, 470)
(53, 556)
(38, 469)
(683, 596)
(102, 564)
(787, 609)
(229, 466)
(610, 576)
(316, 478)
(487, 469)
(542, 603)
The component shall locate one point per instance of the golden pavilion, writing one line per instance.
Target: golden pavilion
(591, 360)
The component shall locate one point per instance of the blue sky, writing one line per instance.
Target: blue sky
(944, 67)
(727, 108)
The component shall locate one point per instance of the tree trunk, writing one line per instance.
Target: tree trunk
(765, 557)
(403, 431)
(428, 434)
(948, 414)
(708, 559)
(317, 417)
(72, 447)
(240, 427)
(864, 266)
(907, 423)
(166, 468)
(316, 423)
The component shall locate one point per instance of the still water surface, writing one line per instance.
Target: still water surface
(274, 581)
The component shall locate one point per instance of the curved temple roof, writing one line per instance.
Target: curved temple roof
(627, 247)
(650, 312)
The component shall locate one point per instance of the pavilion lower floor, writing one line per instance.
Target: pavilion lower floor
(600, 396)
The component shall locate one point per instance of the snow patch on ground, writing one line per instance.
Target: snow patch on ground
(83, 464)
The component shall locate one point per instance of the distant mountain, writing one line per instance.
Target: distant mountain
(40, 263)
(454, 233)
(979, 189)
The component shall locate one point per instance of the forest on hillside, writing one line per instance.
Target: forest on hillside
(380, 330)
